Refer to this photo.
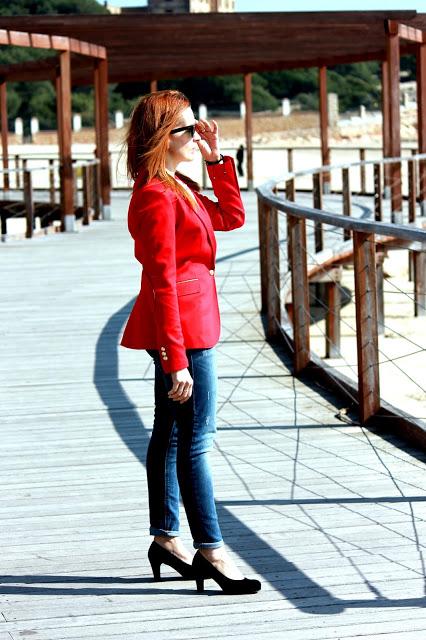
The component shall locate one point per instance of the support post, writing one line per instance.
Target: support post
(393, 58)
(290, 194)
(4, 133)
(332, 321)
(317, 198)
(419, 264)
(323, 108)
(421, 122)
(52, 181)
(290, 160)
(366, 324)
(63, 102)
(153, 86)
(378, 207)
(385, 127)
(102, 151)
(347, 204)
(300, 292)
(29, 204)
(86, 195)
(248, 122)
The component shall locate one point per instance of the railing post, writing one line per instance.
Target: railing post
(347, 205)
(412, 190)
(299, 292)
(363, 183)
(419, 264)
(96, 191)
(29, 205)
(86, 195)
(366, 324)
(290, 194)
(317, 197)
(261, 216)
(290, 160)
(380, 293)
(378, 207)
(273, 300)
(332, 321)
(17, 173)
(52, 181)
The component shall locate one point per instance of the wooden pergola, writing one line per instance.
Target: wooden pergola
(152, 47)
(58, 69)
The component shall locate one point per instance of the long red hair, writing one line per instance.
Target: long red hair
(151, 122)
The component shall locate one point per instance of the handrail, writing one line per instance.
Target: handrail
(369, 239)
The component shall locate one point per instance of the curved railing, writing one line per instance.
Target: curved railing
(290, 261)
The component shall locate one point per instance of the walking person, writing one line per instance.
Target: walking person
(176, 319)
(240, 160)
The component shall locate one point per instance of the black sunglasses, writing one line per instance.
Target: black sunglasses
(190, 128)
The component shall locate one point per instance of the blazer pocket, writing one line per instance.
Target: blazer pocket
(185, 287)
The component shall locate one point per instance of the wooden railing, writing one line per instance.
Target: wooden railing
(362, 242)
(18, 194)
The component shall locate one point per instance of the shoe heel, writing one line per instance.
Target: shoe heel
(156, 570)
(200, 584)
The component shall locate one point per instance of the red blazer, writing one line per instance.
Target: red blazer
(177, 306)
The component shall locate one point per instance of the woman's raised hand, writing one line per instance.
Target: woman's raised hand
(209, 143)
(181, 390)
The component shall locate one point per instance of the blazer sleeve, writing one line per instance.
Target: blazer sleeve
(228, 213)
(153, 229)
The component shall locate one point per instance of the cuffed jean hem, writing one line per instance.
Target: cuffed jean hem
(208, 545)
(162, 532)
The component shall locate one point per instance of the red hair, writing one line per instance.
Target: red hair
(151, 122)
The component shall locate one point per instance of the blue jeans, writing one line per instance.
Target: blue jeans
(177, 457)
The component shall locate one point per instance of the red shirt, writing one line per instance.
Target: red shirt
(177, 307)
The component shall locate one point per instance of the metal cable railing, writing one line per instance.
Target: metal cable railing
(322, 269)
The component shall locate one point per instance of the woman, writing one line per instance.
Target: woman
(176, 319)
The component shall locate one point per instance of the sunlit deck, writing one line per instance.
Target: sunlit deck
(329, 515)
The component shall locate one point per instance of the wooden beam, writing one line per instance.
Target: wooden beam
(323, 111)
(411, 34)
(63, 99)
(366, 324)
(393, 58)
(4, 133)
(101, 124)
(421, 122)
(248, 122)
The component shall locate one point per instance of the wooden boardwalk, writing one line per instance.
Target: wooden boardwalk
(331, 517)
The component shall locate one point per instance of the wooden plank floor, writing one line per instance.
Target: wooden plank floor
(331, 517)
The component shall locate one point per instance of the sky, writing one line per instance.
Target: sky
(307, 5)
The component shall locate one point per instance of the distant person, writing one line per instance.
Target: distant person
(240, 160)
(176, 319)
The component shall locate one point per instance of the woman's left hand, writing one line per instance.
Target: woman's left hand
(209, 143)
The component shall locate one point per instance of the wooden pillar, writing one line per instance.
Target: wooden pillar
(249, 128)
(380, 278)
(101, 117)
(63, 104)
(421, 122)
(299, 292)
(385, 127)
(153, 86)
(261, 209)
(323, 112)
(347, 203)
(366, 324)
(393, 58)
(317, 186)
(4, 133)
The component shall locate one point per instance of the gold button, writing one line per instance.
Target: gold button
(211, 272)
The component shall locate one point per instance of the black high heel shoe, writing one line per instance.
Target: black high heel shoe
(158, 555)
(204, 569)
